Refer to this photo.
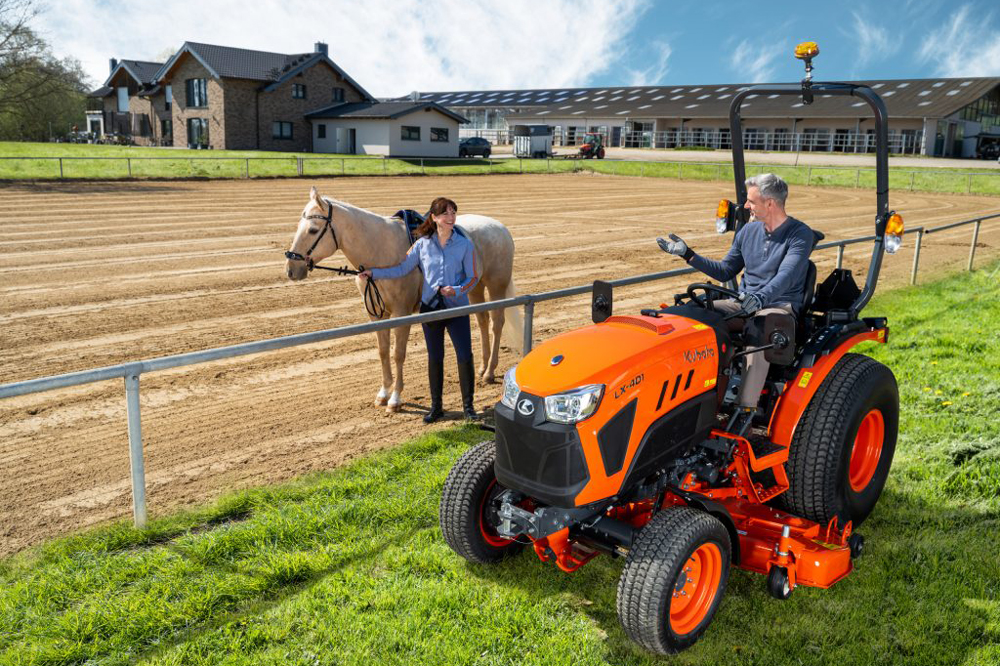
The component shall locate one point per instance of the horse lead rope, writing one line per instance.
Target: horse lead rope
(372, 296)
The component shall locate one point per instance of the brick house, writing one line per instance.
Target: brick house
(239, 99)
(130, 104)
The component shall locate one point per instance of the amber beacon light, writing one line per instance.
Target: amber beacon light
(893, 233)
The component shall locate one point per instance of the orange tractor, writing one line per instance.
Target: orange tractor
(592, 146)
(615, 438)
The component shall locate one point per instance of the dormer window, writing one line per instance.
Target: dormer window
(338, 94)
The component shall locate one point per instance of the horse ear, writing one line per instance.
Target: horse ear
(314, 194)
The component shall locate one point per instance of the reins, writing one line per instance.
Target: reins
(373, 298)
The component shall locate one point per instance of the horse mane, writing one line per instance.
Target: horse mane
(351, 208)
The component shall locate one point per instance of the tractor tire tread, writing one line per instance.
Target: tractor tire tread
(460, 502)
(646, 584)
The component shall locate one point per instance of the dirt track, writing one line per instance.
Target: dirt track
(94, 274)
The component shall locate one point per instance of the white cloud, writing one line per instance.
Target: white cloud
(874, 43)
(754, 63)
(388, 46)
(963, 46)
(656, 71)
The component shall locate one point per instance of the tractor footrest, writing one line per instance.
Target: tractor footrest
(765, 454)
(763, 448)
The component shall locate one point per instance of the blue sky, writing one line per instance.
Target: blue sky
(393, 47)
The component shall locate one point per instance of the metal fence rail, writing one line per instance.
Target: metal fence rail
(388, 165)
(131, 372)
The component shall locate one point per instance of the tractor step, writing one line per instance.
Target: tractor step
(762, 448)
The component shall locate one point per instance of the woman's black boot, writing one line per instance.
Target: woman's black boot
(467, 382)
(435, 378)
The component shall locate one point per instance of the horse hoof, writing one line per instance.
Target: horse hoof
(391, 409)
(382, 398)
(489, 379)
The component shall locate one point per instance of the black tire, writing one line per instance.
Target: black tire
(463, 153)
(651, 577)
(778, 584)
(600, 154)
(822, 483)
(486, 154)
(467, 491)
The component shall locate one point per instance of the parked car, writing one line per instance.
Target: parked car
(474, 146)
(989, 151)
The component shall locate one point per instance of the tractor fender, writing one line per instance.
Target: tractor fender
(799, 392)
(702, 503)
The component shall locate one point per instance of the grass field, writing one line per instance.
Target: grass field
(349, 567)
(94, 161)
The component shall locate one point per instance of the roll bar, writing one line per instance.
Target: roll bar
(807, 90)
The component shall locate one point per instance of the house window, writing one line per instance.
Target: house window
(282, 130)
(298, 91)
(439, 134)
(166, 128)
(411, 133)
(123, 100)
(169, 94)
(197, 92)
(197, 132)
(338, 94)
(321, 131)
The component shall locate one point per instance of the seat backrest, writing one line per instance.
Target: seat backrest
(810, 291)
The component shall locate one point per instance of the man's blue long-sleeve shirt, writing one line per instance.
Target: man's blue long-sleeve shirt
(776, 263)
(451, 266)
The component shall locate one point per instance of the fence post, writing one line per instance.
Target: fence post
(385, 166)
(975, 239)
(248, 167)
(857, 181)
(299, 166)
(424, 172)
(718, 170)
(60, 168)
(680, 171)
(809, 176)
(913, 174)
(529, 315)
(968, 188)
(840, 256)
(916, 256)
(520, 164)
(128, 160)
(135, 449)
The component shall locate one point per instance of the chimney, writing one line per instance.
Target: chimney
(414, 96)
(321, 47)
(113, 63)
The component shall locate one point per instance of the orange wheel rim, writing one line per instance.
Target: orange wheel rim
(867, 450)
(695, 589)
(489, 534)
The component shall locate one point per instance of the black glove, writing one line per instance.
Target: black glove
(752, 303)
(675, 246)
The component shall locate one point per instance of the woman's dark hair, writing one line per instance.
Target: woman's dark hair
(438, 207)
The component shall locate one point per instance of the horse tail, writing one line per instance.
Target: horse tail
(513, 327)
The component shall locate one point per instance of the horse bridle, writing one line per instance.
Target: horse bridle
(328, 218)
(373, 298)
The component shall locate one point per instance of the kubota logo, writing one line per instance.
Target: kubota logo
(700, 354)
(526, 407)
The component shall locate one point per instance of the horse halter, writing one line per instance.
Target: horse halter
(328, 218)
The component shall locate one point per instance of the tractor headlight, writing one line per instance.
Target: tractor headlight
(510, 389)
(574, 406)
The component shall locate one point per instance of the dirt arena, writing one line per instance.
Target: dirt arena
(95, 274)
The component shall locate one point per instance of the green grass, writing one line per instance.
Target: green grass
(78, 162)
(349, 567)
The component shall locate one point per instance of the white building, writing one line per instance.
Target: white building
(397, 129)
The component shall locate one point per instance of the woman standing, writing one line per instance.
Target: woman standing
(448, 262)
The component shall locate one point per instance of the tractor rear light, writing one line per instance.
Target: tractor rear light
(724, 216)
(510, 389)
(893, 233)
(574, 406)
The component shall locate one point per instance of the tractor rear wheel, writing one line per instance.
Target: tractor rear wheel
(674, 578)
(467, 515)
(842, 450)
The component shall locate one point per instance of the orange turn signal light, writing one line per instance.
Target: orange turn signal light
(723, 209)
(806, 50)
(894, 227)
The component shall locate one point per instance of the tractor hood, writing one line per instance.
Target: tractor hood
(614, 352)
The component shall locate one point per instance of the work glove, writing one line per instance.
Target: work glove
(675, 246)
(751, 303)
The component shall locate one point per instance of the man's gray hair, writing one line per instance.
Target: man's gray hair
(770, 186)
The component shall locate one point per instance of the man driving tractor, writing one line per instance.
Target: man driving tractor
(773, 251)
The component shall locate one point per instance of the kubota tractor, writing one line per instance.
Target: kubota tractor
(617, 437)
(592, 146)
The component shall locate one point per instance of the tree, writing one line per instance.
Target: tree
(36, 88)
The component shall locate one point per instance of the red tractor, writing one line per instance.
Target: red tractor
(592, 146)
(615, 438)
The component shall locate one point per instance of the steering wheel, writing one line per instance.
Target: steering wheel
(707, 299)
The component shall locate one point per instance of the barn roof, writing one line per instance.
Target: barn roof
(380, 110)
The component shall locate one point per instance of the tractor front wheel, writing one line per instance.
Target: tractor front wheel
(674, 578)
(467, 513)
(842, 449)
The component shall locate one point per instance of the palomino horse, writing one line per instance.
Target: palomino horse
(376, 241)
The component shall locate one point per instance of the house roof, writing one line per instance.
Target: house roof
(380, 110)
(103, 91)
(141, 70)
(269, 68)
(917, 98)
